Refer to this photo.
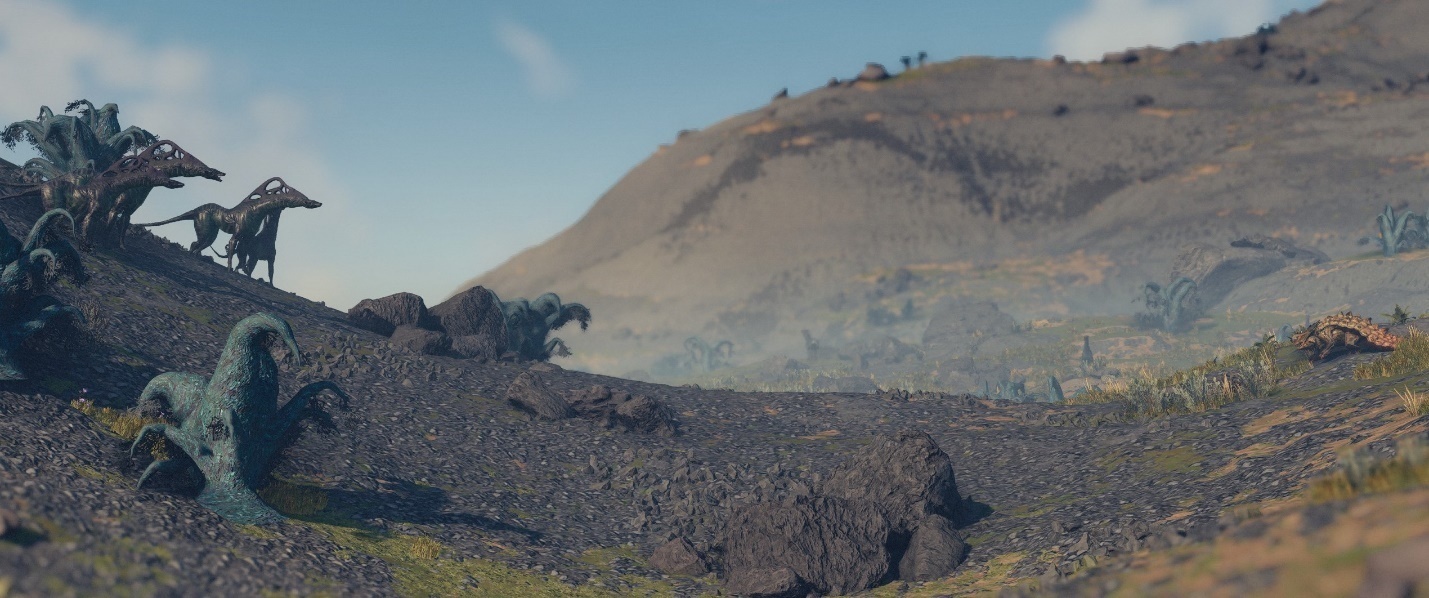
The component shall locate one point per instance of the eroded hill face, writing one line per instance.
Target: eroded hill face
(1102, 170)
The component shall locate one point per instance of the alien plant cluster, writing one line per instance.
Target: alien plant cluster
(24, 308)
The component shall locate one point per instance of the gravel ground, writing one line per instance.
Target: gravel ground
(430, 447)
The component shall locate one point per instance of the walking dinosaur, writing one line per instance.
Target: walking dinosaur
(244, 222)
(102, 203)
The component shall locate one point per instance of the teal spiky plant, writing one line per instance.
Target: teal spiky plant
(230, 425)
(1175, 305)
(1054, 391)
(24, 309)
(706, 358)
(528, 323)
(1398, 231)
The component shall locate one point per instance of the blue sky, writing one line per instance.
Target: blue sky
(444, 137)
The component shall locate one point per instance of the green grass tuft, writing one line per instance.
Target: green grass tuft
(1410, 357)
(1358, 474)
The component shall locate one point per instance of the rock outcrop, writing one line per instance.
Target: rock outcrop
(385, 314)
(470, 325)
(889, 512)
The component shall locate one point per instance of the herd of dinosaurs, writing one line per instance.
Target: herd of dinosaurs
(100, 175)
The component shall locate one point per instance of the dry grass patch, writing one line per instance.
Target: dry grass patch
(425, 548)
(1410, 357)
(1360, 474)
(1414, 401)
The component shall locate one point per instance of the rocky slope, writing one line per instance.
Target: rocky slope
(1098, 170)
(433, 483)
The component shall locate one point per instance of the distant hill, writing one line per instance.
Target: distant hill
(1302, 131)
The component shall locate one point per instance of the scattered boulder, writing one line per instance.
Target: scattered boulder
(529, 393)
(622, 410)
(473, 312)
(834, 545)
(905, 473)
(384, 315)
(1217, 271)
(767, 583)
(477, 346)
(873, 72)
(935, 549)
(421, 340)
(890, 509)
(679, 557)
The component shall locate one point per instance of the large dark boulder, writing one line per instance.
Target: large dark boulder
(421, 340)
(905, 473)
(832, 544)
(1219, 270)
(384, 315)
(473, 312)
(478, 346)
(529, 393)
(780, 582)
(934, 551)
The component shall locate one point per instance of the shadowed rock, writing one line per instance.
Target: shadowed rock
(767, 583)
(474, 320)
(679, 557)
(835, 545)
(873, 72)
(529, 393)
(1217, 271)
(933, 551)
(421, 340)
(906, 474)
(623, 411)
(384, 315)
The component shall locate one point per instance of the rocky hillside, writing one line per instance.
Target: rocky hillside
(1098, 171)
(450, 476)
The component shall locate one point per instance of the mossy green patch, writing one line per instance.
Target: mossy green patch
(418, 573)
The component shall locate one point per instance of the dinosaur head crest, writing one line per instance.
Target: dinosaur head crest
(174, 161)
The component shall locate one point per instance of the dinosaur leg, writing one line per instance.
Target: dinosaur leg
(270, 272)
(204, 235)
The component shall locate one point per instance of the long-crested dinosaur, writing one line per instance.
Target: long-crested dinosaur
(263, 246)
(103, 203)
(244, 220)
(90, 196)
(169, 159)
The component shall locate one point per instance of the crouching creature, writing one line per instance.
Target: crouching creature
(230, 426)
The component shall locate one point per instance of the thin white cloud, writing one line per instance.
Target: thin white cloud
(1114, 25)
(51, 55)
(546, 74)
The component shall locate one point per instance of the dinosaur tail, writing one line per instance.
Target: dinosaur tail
(189, 215)
(220, 255)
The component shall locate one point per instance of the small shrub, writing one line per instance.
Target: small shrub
(1411, 356)
(1414, 402)
(1246, 374)
(425, 548)
(1358, 474)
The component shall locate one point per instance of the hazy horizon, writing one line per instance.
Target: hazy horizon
(507, 122)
